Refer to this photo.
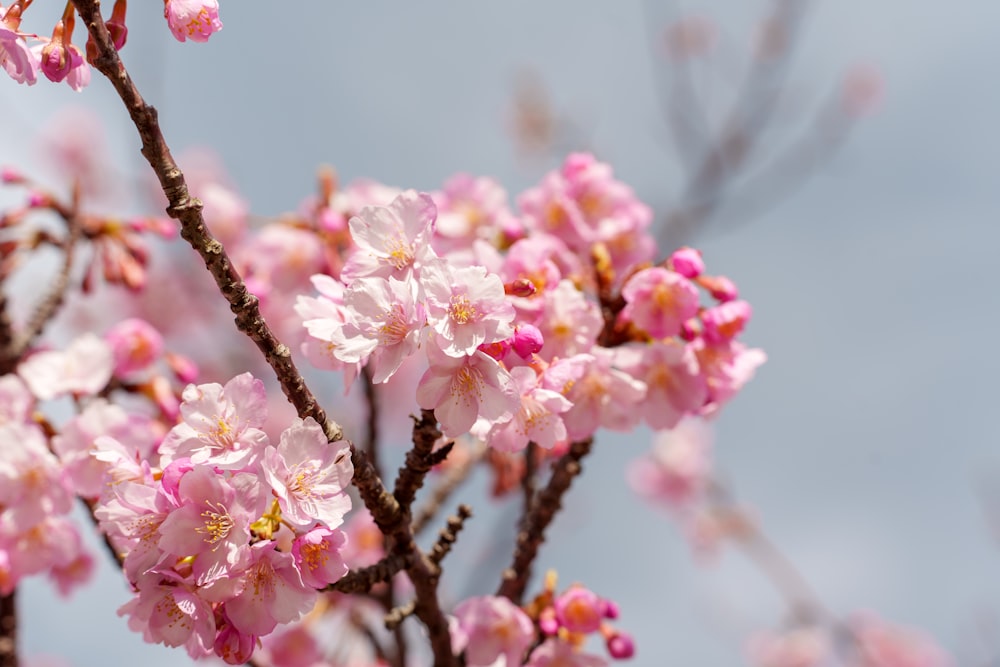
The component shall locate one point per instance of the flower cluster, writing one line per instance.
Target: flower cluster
(59, 59)
(552, 630)
(229, 535)
(540, 328)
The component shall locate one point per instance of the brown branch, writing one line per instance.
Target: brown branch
(543, 509)
(419, 460)
(371, 432)
(397, 615)
(187, 211)
(49, 305)
(529, 481)
(8, 629)
(447, 486)
(449, 534)
(362, 580)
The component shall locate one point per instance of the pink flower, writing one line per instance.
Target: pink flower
(272, 592)
(131, 516)
(687, 262)
(471, 207)
(222, 425)
(385, 321)
(569, 323)
(462, 390)
(15, 56)
(83, 368)
(212, 522)
(324, 317)
(135, 345)
(725, 322)
(467, 307)
(317, 556)
(233, 646)
(16, 402)
(537, 419)
(675, 386)
(392, 240)
(659, 301)
(603, 396)
(558, 653)
(678, 468)
(192, 19)
(173, 615)
(309, 476)
(491, 627)
(726, 367)
(31, 487)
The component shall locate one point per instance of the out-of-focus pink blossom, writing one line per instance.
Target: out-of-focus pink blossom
(555, 652)
(799, 647)
(579, 609)
(863, 90)
(491, 627)
(173, 615)
(658, 301)
(83, 368)
(725, 321)
(675, 386)
(687, 262)
(196, 20)
(135, 345)
(882, 644)
(678, 468)
(15, 57)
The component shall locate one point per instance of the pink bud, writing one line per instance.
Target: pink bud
(687, 262)
(547, 622)
(11, 176)
(521, 287)
(184, 369)
(610, 609)
(527, 340)
(38, 200)
(621, 646)
(720, 287)
(116, 25)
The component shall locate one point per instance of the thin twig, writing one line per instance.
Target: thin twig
(440, 494)
(528, 482)
(371, 431)
(449, 534)
(543, 509)
(362, 580)
(49, 305)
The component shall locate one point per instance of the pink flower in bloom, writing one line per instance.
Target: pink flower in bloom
(659, 301)
(462, 390)
(16, 402)
(192, 19)
(212, 522)
(222, 425)
(471, 207)
(569, 323)
(675, 386)
(678, 468)
(603, 396)
(490, 628)
(173, 615)
(558, 653)
(272, 592)
(131, 517)
(800, 647)
(317, 555)
(392, 240)
(233, 646)
(537, 419)
(15, 56)
(365, 544)
(309, 476)
(386, 321)
(881, 644)
(83, 368)
(466, 307)
(323, 318)
(135, 345)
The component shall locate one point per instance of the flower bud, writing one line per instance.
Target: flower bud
(620, 645)
(687, 262)
(527, 340)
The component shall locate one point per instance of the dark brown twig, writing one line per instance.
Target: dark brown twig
(419, 460)
(371, 430)
(362, 580)
(449, 534)
(543, 509)
(8, 629)
(528, 481)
